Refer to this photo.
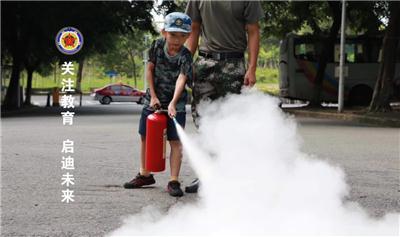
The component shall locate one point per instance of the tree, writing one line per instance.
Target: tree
(323, 18)
(124, 57)
(323, 21)
(29, 29)
(385, 82)
(12, 43)
(168, 6)
(327, 53)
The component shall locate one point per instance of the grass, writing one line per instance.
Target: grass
(267, 81)
(87, 85)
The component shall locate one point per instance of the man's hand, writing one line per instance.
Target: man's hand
(250, 78)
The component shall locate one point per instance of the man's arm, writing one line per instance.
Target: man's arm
(193, 41)
(253, 32)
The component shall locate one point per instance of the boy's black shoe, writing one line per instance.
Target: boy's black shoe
(193, 187)
(139, 181)
(174, 189)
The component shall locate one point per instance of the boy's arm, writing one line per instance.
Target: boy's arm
(150, 80)
(179, 87)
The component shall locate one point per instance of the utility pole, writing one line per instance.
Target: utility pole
(341, 64)
(145, 59)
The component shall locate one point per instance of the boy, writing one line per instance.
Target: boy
(169, 67)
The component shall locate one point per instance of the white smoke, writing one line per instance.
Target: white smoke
(255, 180)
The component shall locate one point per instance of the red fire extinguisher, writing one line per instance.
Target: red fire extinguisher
(156, 136)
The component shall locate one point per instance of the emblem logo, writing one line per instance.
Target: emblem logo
(69, 40)
(178, 22)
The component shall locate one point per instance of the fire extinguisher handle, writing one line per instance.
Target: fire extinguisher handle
(161, 111)
(156, 107)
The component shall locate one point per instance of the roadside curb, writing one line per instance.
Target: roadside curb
(366, 119)
(37, 110)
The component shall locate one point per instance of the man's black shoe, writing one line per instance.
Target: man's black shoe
(174, 189)
(193, 187)
(139, 181)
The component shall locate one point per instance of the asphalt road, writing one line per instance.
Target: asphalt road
(370, 157)
(106, 155)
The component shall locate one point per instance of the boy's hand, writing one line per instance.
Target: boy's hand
(171, 110)
(155, 103)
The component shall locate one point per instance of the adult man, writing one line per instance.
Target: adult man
(227, 29)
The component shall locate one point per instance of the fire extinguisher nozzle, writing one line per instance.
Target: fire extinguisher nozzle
(174, 119)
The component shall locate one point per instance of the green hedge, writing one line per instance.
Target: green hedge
(267, 81)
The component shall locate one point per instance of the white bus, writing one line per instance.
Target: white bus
(298, 65)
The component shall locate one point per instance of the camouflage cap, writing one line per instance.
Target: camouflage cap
(178, 22)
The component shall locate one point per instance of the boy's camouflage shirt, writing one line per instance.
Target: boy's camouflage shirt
(166, 72)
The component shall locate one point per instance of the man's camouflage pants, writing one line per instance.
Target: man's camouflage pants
(214, 79)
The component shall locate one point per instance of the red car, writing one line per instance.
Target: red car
(118, 93)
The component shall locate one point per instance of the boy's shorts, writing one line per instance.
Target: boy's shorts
(172, 134)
